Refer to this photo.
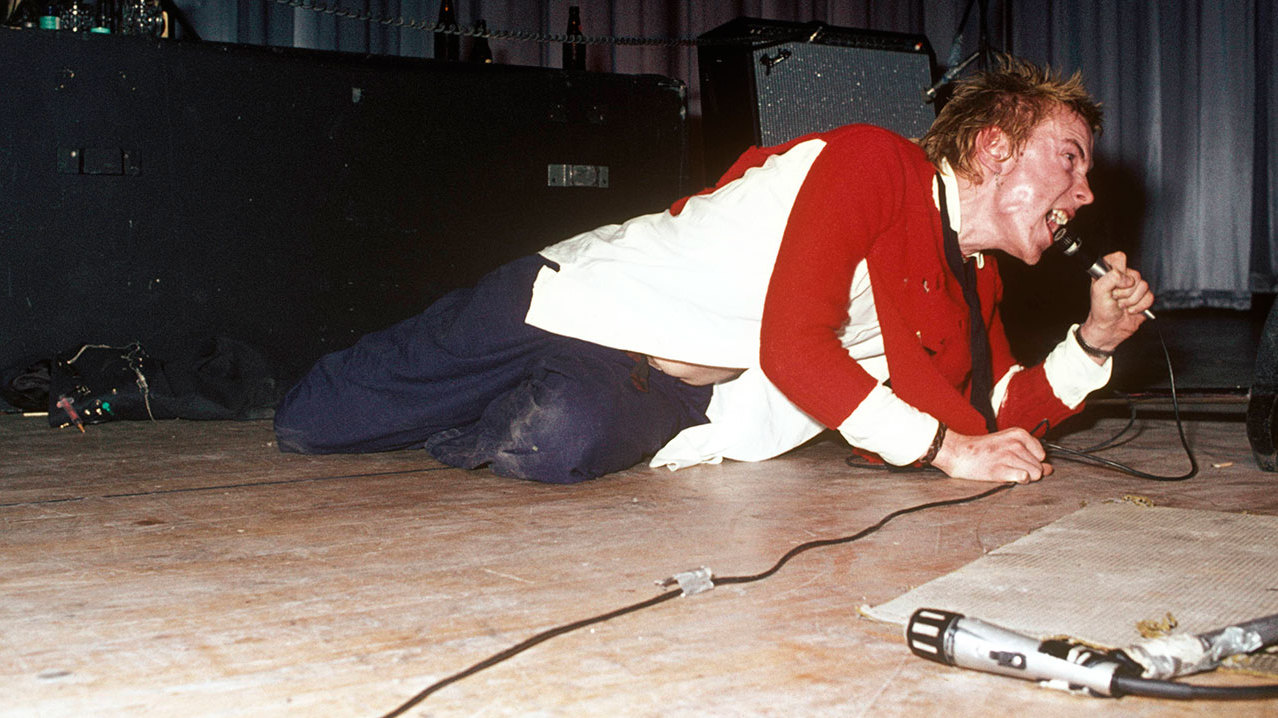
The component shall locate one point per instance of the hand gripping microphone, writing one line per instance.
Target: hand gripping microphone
(1072, 247)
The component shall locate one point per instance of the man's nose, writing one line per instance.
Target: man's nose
(1083, 192)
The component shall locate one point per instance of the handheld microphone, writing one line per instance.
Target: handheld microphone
(956, 640)
(1071, 246)
(1068, 664)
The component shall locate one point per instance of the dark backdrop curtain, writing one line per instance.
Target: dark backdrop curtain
(1186, 176)
(1188, 148)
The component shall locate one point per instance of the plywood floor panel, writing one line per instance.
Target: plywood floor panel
(186, 568)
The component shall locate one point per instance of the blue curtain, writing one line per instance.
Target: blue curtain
(1187, 176)
(1189, 93)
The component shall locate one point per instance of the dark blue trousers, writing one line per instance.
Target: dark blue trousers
(474, 385)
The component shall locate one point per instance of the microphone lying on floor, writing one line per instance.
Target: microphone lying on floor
(1139, 670)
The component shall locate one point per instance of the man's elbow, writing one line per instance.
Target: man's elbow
(776, 363)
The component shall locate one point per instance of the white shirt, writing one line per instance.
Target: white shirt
(691, 287)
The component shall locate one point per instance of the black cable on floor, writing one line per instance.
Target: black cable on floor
(1085, 455)
(663, 597)
(525, 645)
(1129, 686)
(858, 535)
(1114, 440)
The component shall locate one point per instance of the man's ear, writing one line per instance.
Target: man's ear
(993, 149)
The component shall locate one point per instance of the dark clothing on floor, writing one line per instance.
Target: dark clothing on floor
(471, 382)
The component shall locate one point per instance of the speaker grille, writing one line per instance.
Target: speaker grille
(764, 82)
(804, 88)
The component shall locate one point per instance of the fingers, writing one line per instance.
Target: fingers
(1137, 299)
(1011, 455)
(1138, 293)
(1120, 294)
(1119, 278)
(1117, 261)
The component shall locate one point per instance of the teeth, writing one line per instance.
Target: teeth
(1059, 217)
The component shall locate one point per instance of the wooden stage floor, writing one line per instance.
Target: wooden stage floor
(190, 569)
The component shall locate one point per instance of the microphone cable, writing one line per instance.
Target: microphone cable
(1151, 688)
(1170, 690)
(1088, 457)
(705, 584)
(1163, 689)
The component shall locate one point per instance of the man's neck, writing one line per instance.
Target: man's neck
(973, 199)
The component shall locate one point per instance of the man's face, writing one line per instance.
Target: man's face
(1042, 187)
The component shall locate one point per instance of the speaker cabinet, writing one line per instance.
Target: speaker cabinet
(764, 82)
(1262, 405)
(293, 200)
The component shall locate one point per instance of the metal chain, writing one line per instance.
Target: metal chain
(399, 21)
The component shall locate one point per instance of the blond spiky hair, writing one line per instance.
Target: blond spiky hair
(1014, 97)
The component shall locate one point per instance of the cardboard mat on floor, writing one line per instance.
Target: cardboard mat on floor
(1103, 573)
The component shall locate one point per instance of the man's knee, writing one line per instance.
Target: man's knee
(309, 421)
(560, 435)
(560, 426)
(295, 432)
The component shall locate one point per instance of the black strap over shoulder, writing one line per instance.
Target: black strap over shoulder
(982, 381)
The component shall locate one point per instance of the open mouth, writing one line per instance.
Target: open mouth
(1056, 221)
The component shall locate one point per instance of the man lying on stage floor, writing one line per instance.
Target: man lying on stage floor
(821, 283)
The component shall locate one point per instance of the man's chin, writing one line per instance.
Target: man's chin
(1032, 254)
(1027, 255)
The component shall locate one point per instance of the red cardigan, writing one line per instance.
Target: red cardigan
(869, 196)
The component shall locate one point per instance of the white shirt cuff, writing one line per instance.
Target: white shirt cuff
(1000, 389)
(1073, 374)
(889, 427)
